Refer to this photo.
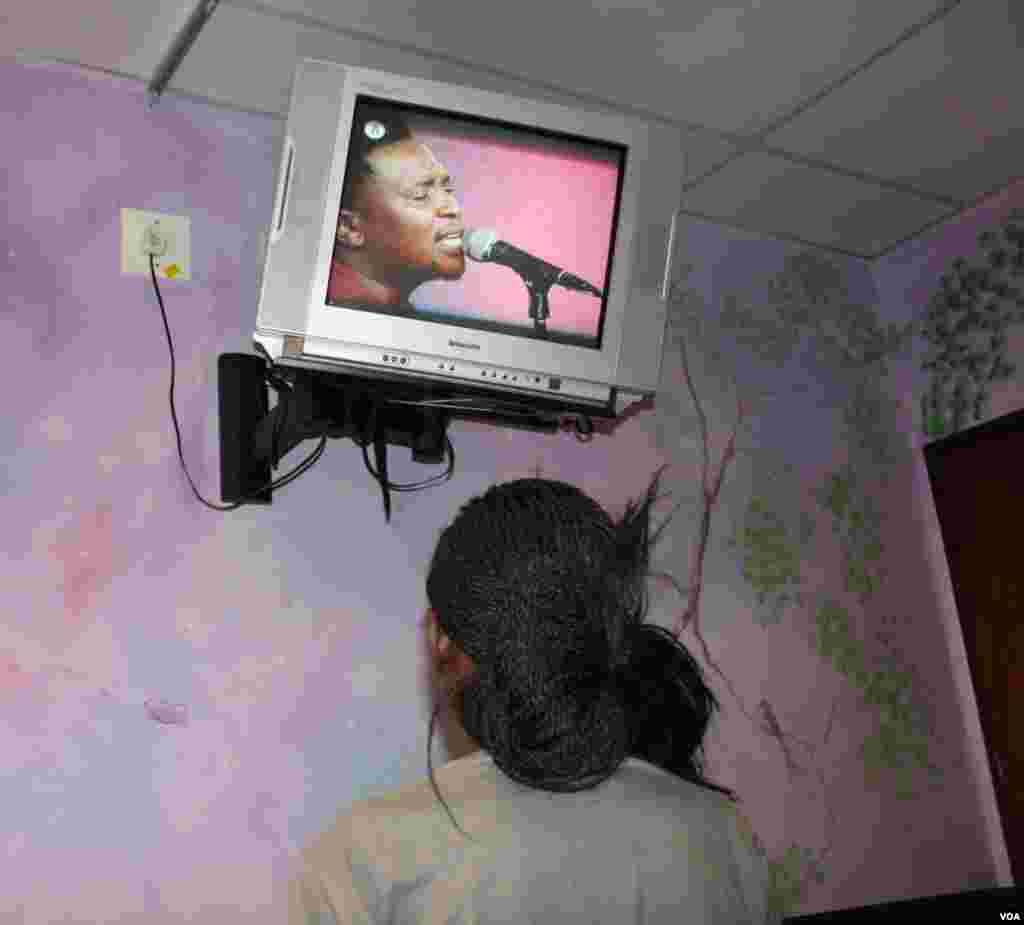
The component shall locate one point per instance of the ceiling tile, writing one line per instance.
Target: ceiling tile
(773, 196)
(941, 114)
(274, 44)
(730, 66)
(277, 44)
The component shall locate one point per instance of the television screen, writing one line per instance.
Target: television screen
(430, 199)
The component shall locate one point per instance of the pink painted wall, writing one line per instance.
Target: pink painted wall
(187, 695)
(907, 280)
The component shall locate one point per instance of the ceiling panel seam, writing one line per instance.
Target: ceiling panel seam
(255, 6)
(756, 142)
(966, 207)
(745, 144)
(30, 59)
(801, 161)
(780, 235)
(816, 98)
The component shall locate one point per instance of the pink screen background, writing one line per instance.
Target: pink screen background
(556, 205)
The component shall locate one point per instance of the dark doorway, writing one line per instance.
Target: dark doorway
(977, 480)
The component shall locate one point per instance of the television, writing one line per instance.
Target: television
(443, 233)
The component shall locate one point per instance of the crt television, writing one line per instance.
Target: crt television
(428, 231)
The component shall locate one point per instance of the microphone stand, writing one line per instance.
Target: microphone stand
(540, 284)
(539, 309)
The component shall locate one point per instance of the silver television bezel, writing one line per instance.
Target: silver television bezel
(301, 241)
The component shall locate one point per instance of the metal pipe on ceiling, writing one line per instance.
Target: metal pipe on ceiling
(183, 41)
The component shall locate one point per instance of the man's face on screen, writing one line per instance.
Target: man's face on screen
(409, 219)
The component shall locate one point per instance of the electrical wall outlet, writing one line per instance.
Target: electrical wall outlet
(166, 237)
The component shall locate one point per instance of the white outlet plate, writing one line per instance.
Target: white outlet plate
(175, 263)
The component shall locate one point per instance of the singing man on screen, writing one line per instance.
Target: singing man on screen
(400, 224)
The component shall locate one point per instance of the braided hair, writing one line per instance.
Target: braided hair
(547, 595)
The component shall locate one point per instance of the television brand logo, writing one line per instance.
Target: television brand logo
(1010, 916)
(459, 343)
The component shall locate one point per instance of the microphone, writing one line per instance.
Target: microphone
(482, 244)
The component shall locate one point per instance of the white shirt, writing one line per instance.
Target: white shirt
(642, 848)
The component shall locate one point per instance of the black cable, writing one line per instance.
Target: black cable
(414, 486)
(283, 404)
(273, 484)
(584, 429)
(368, 435)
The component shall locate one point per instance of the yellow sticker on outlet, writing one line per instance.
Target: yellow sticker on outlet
(172, 270)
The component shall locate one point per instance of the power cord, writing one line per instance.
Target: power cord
(414, 486)
(278, 384)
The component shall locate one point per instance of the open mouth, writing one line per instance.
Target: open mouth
(452, 241)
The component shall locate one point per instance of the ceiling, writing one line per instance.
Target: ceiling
(852, 125)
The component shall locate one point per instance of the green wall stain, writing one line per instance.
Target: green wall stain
(770, 553)
(789, 876)
(900, 744)
(965, 324)
(857, 520)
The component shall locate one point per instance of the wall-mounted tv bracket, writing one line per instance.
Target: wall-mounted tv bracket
(375, 409)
